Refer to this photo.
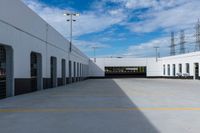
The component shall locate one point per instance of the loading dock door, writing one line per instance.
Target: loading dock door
(2, 72)
(53, 72)
(74, 80)
(174, 70)
(34, 73)
(70, 72)
(196, 70)
(63, 72)
(125, 72)
(78, 72)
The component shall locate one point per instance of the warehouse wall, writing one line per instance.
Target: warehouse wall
(154, 68)
(25, 32)
(97, 69)
(190, 58)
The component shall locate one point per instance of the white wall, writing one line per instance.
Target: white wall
(26, 32)
(98, 68)
(190, 58)
(153, 68)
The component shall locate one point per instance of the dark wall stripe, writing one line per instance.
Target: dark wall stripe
(2, 87)
(23, 86)
(59, 81)
(138, 75)
(47, 83)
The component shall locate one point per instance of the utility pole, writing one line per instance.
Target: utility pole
(156, 48)
(71, 20)
(182, 42)
(172, 47)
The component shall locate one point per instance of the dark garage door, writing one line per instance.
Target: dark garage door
(2, 72)
(125, 72)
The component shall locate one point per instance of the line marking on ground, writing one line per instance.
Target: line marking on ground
(94, 110)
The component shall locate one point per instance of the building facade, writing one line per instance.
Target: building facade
(33, 55)
(124, 67)
(177, 66)
(182, 66)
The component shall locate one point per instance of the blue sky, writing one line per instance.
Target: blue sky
(121, 27)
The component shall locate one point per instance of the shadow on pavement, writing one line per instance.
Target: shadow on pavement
(113, 121)
(97, 108)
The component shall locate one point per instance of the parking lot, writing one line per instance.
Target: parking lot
(106, 106)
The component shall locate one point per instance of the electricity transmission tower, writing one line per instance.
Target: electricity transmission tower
(172, 47)
(197, 46)
(182, 42)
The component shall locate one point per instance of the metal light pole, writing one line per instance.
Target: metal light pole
(94, 48)
(71, 20)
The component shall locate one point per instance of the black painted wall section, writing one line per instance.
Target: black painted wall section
(47, 83)
(59, 82)
(191, 77)
(2, 87)
(67, 81)
(73, 80)
(166, 77)
(136, 75)
(23, 86)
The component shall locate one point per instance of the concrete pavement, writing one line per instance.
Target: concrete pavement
(106, 106)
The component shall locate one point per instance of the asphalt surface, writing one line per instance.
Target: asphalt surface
(106, 106)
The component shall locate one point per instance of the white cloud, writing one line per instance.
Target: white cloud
(87, 22)
(92, 22)
(154, 4)
(135, 4)
(176, 18)
(162, 14)
(86, 46)
(147, 49)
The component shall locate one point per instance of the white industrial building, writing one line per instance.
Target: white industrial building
(178, 66)
(34, 56)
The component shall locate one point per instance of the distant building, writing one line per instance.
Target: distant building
(178, 66)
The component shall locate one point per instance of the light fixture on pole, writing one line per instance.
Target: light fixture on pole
(94, 48)
(71, 20)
